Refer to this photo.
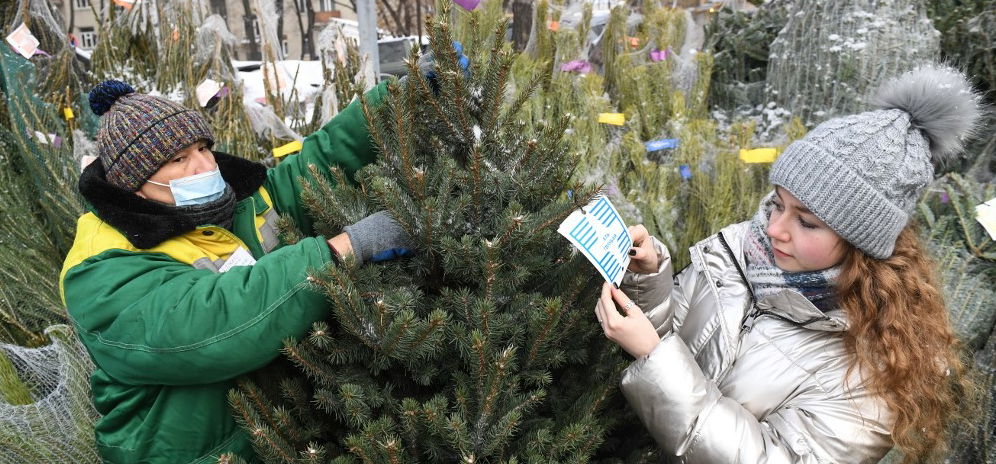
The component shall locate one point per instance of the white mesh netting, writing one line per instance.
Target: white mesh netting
(46, 415)
(831, 53)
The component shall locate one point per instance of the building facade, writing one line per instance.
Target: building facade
(296, 19)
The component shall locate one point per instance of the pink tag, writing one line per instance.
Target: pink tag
(468, 5)
(46, 139)
(658, 55)
(578, 66)
(23, 41)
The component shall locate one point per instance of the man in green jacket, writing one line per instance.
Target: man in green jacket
(177, 282)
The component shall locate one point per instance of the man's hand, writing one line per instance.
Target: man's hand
(427, 62)
(642, 257)
(377, 237)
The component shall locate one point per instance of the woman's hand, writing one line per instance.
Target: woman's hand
(643, 256)
(633, 332)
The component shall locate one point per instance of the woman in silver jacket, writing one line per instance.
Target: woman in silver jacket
(814, 332)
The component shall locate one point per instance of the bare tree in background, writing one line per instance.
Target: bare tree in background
(247, 22)
(522, 21)
(306, 24)
(401, 17)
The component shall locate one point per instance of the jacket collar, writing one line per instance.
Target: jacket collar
(788, 305)
(146, 223)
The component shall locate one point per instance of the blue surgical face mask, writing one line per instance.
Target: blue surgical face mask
(196, 189)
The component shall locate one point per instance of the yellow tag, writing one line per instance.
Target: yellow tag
(759, 155)
(285, 150)
(617, 119)
(553, 26)
(67, 112)
(986, 215)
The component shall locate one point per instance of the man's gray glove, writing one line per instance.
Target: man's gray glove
(427, 66)
(378, 237)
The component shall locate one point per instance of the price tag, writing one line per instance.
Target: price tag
(67, 112)
(579, 66)
(686, 171)
(661, 144)
(759, 155)
(468, 5)
(287, 149)
(553, 26)
(241, 257)
(23, 41)
(206, 91)
(986, 215)
(617, 119)
(47, 139)
(599, 233)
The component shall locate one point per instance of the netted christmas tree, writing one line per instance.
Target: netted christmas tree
(482, 346)
(740, 42)
(832, 54)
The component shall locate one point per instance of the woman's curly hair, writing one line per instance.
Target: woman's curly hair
(903, 343)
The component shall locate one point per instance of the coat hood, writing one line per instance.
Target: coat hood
(147, 223)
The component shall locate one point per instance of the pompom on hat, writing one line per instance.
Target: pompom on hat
(863, 174)
(138, 133)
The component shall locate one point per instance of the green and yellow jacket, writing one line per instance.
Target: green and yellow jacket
(167, 331)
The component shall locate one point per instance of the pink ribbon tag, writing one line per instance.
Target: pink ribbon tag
(658, 55)
(578, 66)
(468, 5)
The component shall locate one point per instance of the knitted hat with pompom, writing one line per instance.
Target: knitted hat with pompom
(863, 174)
(138, 133)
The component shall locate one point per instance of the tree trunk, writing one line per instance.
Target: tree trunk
(393, 14)
(301, 30)
(72, 17)
(522, 22)
(279, 6)
(418, 21)
(311, 29)
(253, 52)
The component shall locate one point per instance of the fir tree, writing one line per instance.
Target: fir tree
(480, 348)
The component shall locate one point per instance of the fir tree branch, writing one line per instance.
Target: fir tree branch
(475, 177)
(437, 321)
(552, 310)
(251, 391)
(372, 124)
(497, 75)
(265, 439)
(513, 109)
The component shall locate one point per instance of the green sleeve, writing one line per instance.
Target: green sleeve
(344, 142)
(148, 319)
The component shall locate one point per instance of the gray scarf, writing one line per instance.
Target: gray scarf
(219, 212)
(767, 279)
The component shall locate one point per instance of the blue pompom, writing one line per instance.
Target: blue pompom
(103, 96)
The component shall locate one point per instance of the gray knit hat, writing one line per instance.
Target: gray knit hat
(863, 174)
(138, 132)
